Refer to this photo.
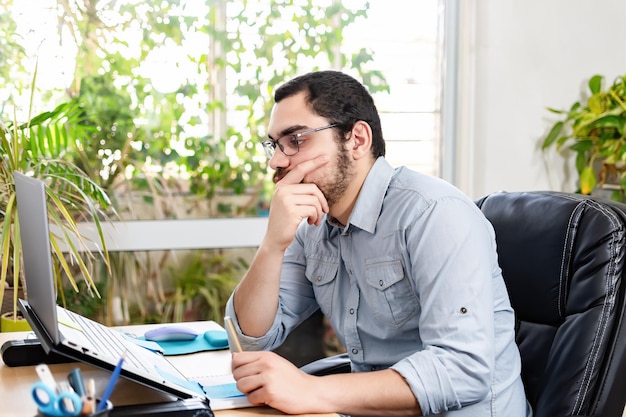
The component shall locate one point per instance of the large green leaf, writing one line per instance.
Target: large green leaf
(595, 84)
(607, 121)
(597, 103)
(587, 180)
(554, 133)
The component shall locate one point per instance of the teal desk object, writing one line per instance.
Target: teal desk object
(202, 342)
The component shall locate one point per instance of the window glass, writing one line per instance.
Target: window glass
(401, 35)
(404, 38)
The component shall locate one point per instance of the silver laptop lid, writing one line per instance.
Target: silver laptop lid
(36, 250)
(153, 369)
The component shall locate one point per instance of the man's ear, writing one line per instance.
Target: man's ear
(361, 143)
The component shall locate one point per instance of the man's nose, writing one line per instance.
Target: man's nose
(279, 160)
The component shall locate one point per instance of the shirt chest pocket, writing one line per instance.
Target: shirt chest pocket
(389, 292)
(322, 274)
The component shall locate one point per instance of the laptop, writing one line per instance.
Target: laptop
(68, 334)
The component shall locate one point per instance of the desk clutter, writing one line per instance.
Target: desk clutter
(76, 397)
(69, 398)
(66, 394)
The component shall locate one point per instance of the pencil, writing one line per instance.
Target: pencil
(109, 389)
(232, 335)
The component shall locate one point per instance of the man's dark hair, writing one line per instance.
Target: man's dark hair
(339, 98)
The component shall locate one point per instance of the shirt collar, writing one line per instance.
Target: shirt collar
(369, 203)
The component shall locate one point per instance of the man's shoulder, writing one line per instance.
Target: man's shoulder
(409, 183)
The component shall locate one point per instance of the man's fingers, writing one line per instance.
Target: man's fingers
(296, 175)
(302, 194)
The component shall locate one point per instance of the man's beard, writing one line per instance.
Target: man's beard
(340, 178)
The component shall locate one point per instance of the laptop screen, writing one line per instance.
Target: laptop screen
(36, 250)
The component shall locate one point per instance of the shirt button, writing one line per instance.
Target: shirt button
(355, 351)
(463, 310)
(318, 279)
(380, 282)
(351, 311)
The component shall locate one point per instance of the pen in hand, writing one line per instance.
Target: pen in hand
(233, 340)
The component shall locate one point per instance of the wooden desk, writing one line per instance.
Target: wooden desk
(15, 383)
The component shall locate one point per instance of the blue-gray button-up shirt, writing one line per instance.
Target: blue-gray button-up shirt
(412, 282)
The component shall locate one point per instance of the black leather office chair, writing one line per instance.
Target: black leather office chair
(563, 258)
(563, 261)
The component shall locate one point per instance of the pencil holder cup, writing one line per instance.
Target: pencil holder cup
(104, 412)
(86, 412)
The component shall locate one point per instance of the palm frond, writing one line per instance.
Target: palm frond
(38, 148)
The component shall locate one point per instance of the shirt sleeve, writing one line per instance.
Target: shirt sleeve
(454, 263)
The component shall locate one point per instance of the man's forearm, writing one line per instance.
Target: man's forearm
(256, 297)
(379, 393)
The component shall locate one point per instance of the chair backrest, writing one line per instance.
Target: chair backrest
(563, 260)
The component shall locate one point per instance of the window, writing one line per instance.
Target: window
(404, 37)
(406, 48)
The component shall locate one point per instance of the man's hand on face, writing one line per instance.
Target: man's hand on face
(294, 201)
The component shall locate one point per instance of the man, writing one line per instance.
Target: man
(402, 264)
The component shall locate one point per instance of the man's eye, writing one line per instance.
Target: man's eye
(295, 142)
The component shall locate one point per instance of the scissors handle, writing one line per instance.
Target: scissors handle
(65, 404)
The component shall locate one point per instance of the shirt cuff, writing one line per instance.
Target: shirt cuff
(264, 342)
(432, 389)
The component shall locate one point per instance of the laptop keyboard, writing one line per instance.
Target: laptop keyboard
(106, 340)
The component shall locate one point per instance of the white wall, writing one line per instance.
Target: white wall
(518, 58)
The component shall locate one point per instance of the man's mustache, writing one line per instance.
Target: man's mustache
(278, 175)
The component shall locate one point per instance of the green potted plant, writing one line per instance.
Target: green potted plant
(37, 148)
(595, 130)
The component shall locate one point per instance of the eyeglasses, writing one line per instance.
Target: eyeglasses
(289, 144)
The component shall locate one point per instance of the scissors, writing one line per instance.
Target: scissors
(64, 404)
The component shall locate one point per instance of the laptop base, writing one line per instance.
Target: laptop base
(192, 407)
(29, 352)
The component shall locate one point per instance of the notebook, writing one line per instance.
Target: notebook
(66, 333)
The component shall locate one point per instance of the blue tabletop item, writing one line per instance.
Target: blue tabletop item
(217, 338)
(64, 404)
(181, 340)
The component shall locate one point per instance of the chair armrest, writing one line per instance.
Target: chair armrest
(337, 364)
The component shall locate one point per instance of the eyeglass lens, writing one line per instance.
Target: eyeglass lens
(289, 144)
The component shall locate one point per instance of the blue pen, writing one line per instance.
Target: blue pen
(111, 385)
